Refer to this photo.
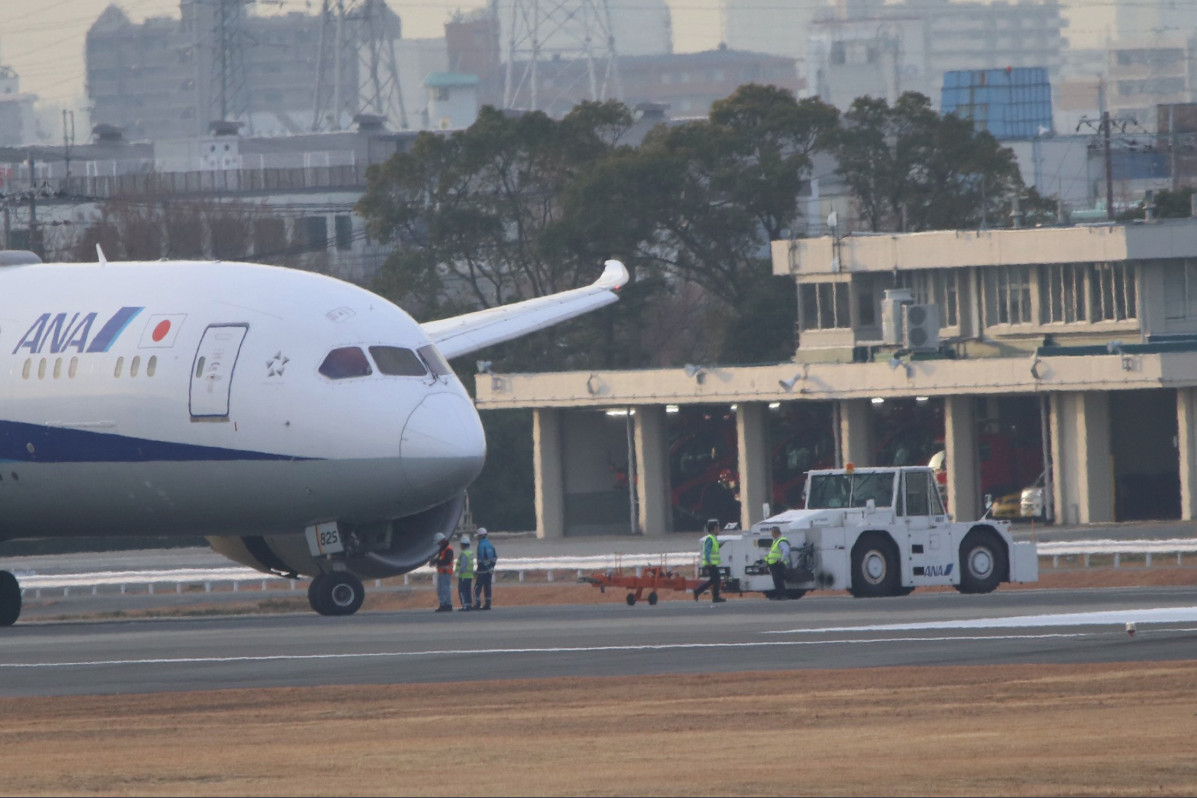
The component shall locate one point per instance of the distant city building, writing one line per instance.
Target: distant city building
(452, 100)
(1148, 71)
(169, 77)
(871, 47)
(17, 122)
(1008, 103)
(777, 27)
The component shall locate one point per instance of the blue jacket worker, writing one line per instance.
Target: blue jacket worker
(484, 572)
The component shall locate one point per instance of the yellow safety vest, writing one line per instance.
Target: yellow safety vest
(713, 558)
(465, 565)
(774, 555)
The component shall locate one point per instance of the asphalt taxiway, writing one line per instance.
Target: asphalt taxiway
(744, 634)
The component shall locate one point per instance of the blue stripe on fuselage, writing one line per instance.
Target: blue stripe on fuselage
(34, 443)
(112, 328)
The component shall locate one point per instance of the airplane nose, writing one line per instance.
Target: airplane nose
(442, 448)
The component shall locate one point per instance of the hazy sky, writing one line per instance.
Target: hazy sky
(43, 39)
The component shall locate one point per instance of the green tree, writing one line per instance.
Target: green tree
(911, 169)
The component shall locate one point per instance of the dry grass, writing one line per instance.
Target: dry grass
(1013, 730)
(1021, 730)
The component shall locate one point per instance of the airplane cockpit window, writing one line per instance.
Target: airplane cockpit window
(395, 361)
(435, 361)
(346, 362)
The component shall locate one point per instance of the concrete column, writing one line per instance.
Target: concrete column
(654, 511)
(1186, 443)
(1083, 469)
(856, 431)
(752, 443)
(960, 448)
(548, 466)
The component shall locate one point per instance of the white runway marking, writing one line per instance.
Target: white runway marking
(495, 651)
(1102, 618)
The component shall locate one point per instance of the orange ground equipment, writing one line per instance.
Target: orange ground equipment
(649, 577)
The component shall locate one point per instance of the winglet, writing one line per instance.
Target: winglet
(104, 261)
(614, 276)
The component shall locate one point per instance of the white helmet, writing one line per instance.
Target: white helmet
(482, 532)
(465, 540)
(438, 537)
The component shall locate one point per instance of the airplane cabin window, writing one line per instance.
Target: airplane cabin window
(395, 361)
(435, 361)
(57, 367)
(344, 363)
(134, 366)
(199, 367)
(26, 368)
(41, 369)
(151, 366)
(73, 369)
(120, 366)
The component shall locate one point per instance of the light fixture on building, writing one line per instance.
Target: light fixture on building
(922, 400)
(593, 384)
(672, 409)
(896, 361)
(774, 405)
(483, 366)
(1035, 367)
(877, 400)
(699, 373)
(788, 385)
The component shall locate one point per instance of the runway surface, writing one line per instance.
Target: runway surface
(832, 631)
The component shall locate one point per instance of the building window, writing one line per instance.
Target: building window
(343, 227)
(1008, 295)
(1062, 292)
(824, 305)
(1180, 290)
(934, 288)
(1112, 292)
(314, 232)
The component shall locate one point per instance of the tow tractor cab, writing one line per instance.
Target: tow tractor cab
(878, 532)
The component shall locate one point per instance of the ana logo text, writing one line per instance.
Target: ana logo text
(55, 333)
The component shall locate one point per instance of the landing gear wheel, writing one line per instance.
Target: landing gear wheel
(10, 599)
(652, 599)
(795, 593)
(336, 593)
(631, 599)
(983, 562)
(875, 566)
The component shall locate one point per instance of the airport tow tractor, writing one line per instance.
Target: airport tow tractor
(649, 577)
(877, 532)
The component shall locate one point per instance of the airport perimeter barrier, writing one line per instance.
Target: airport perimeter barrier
(1086, 553)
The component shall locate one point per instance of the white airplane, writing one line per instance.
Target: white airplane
(304, 425)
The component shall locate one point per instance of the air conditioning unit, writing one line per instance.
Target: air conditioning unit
(891, 314)
(920, 327)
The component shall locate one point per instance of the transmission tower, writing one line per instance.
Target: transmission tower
(357, 72)
(559, 52)
(230, 91)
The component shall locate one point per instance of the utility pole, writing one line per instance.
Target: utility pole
(68, 141)
(1105, 129)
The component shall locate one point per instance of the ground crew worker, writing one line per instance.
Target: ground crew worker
(777, 559)
(710, 563)
(465, 574)
(442, 561)
(484, 574)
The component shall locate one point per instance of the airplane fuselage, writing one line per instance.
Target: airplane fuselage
(209, 398)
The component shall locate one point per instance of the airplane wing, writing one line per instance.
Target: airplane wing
(461, 335)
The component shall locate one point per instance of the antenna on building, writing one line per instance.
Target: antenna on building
(356, 69)
(558, 53)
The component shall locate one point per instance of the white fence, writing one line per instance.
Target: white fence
(1153, 552)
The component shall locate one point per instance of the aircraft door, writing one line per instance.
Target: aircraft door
(212, 371)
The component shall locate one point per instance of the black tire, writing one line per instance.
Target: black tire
(795, 593)
(631, 599)
(904, 591)
(316, 593)
(875, 566)
(336, 593)
(984, 562)
(10, 599)
(652, 599)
